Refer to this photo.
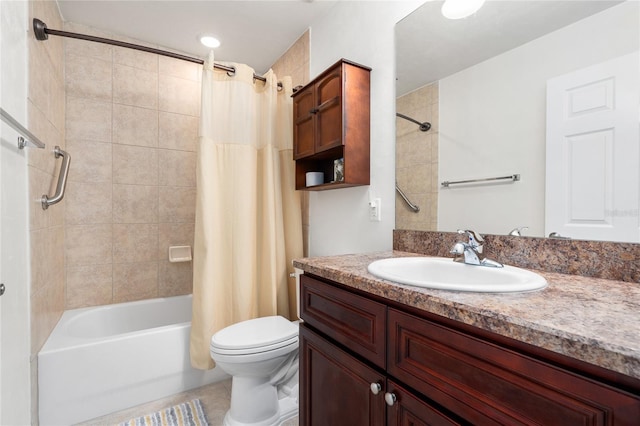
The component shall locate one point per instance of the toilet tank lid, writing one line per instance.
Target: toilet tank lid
(255, 333)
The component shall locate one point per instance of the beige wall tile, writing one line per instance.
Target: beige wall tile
(41, 264)
(88, 203)
(174, 234)
(135, 281)
(175, 278)
(88, 119)
(135, 242)
(177, 205)
(46, 308)
(135, 126)
(179, 68)
(87, 48)
(39, 183)
(178, 131)
(87, 77)
(135, 58)
(177, 168)
(179, 95)
(135, 165)
(137, 87)
(135, 204)
(88, 244)
(92, 161)
(89, 285)
(40, 126)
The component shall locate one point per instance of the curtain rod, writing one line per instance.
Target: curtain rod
(42, 33)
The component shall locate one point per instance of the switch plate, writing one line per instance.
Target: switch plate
(374, 210)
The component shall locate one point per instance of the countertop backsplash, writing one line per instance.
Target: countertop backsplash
(598, 259)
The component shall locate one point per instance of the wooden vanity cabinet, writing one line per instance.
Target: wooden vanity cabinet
(440, 374)
(331, 120)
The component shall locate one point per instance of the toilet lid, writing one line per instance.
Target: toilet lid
(256, 333)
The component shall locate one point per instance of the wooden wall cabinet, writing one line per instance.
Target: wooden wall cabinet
(331, 120)
(433, 372)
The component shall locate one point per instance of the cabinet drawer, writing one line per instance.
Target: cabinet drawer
(354, 321)
(485, 383)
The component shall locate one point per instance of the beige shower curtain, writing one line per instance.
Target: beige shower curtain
(248, 219)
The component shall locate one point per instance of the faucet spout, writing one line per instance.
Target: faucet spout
(470, 253)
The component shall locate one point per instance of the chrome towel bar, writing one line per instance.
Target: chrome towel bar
(512, 178)
(62, 179)
(412, 206)
(22, 142)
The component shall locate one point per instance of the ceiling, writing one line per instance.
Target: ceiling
(430, 47)
(256, 33)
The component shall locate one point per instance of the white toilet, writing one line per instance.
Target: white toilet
(262, 356)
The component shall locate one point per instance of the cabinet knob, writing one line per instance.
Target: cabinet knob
(390, 398)
(375, 388)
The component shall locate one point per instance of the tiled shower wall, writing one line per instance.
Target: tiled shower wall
(131, 128)
(417, 159)
(46, 118)
(295, 63)
(132, 125)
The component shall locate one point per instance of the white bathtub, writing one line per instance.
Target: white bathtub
(107, 358)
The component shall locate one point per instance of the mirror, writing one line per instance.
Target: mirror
(482, 84)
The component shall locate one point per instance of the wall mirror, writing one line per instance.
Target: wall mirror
(517, 88)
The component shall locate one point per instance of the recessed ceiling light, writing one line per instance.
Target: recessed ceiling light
(209, 41)
(458, 9)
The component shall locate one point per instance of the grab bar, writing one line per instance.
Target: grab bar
(513, 178)
(62, 179)
(412, 206)
(13, 123)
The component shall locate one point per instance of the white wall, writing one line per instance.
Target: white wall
(493, 122)
(363, 32)
(15, 393)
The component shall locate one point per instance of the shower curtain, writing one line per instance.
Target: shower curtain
(248, 218)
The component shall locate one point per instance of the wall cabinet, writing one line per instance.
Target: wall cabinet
(431, 372)
(331, 121)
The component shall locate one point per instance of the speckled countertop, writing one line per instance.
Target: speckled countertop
(590, 319)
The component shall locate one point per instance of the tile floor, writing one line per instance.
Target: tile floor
(214, 399)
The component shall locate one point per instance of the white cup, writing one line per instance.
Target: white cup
(315, 178)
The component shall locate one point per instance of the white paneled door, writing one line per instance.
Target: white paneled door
(593, 152)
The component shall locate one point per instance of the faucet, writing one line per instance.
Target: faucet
(471, 252)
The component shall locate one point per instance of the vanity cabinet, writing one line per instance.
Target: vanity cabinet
(438, 371)
(331, 121)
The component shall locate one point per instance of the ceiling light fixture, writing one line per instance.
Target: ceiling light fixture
(458, 9)
(209, 41)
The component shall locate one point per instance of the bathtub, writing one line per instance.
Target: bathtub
(107, 358)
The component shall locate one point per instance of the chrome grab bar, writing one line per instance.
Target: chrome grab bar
(513, 178)
(412, 206)
(62, 179)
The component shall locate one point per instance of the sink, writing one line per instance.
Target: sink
(445, 274)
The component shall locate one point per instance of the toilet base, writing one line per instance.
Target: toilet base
(287, 409)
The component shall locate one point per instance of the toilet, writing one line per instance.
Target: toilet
(261, 355)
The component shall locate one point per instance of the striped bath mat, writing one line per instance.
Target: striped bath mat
(185, 414)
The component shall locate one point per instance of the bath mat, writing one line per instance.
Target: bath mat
(185, 414)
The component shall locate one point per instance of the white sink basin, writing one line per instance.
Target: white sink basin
(445, 274)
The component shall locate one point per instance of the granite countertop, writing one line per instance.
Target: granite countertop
(590, 319)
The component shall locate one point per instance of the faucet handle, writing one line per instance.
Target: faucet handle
(475, 239)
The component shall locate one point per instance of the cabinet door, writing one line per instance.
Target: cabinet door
(335, 387)
(329, 111)
(303, 124)
(409, 410)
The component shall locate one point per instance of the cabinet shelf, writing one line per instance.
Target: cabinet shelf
(331, 121)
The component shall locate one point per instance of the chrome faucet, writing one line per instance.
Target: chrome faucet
(471, 252)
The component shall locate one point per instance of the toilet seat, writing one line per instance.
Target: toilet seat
(255, 336)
